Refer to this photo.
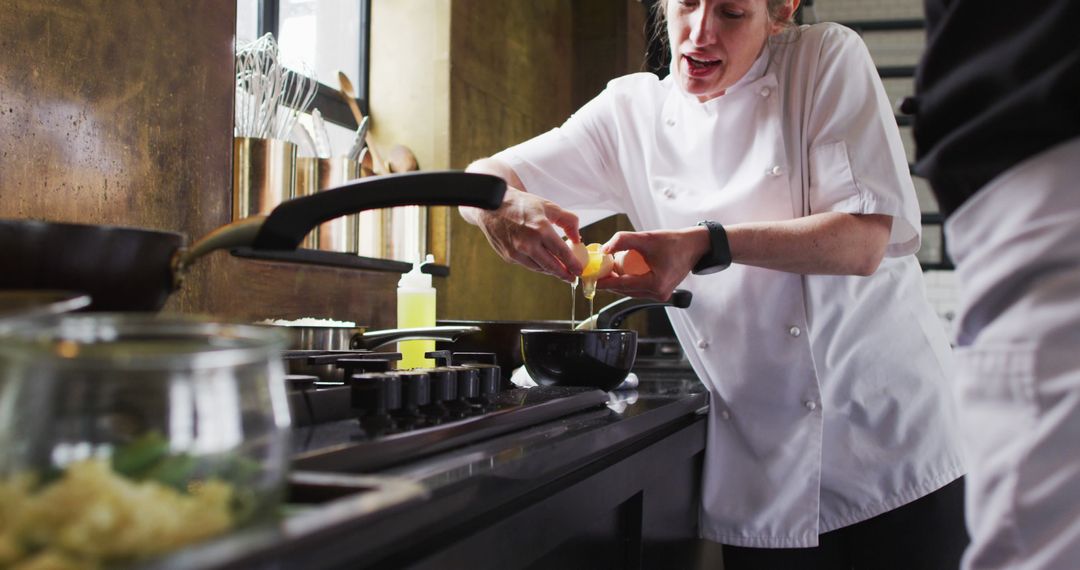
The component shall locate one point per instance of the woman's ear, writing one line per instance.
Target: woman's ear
(783, 16)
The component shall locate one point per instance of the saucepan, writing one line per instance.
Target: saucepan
(129, 269)
(316, 337)
(503, 338)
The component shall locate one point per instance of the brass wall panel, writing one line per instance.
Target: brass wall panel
(519, 68)
(106, 112)
(120, 112)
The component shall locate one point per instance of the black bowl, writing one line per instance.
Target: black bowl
(594, 358)
(501, 338)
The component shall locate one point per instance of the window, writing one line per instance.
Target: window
(327, 36)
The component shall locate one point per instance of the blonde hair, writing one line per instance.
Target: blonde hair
(658, 35)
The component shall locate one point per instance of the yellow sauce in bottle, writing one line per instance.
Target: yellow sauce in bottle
(415, 308)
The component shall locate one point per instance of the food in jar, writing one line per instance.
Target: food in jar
(90, 515)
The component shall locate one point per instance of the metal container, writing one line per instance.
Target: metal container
(338, 234)
(264, 175)
(406, 233)
(371, 232)
(307, 183)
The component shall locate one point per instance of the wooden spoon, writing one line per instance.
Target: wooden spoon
(349, 94)
(402, 159)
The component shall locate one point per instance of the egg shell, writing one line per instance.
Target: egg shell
(630, 262)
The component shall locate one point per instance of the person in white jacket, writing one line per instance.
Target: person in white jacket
(772, 149)
(997, 133)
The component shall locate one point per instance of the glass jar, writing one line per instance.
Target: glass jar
(124, 436)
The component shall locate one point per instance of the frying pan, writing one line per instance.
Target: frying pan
(599, 358)
(503, 338)
(17, 304)
(129, 269)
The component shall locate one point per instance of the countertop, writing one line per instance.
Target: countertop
(431, 496)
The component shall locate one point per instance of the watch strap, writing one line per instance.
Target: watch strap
(718, 257)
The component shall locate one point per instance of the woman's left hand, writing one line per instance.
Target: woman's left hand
(670, 254)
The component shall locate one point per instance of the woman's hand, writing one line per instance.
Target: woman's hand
(523, 231)
(670, 254)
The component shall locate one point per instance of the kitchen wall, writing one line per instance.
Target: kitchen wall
(121, 113)
(521, 68)
(508, 71)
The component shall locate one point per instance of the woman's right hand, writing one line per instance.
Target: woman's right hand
(669, 254)
(523, 231)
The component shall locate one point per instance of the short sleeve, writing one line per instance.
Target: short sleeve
(574, 165)
(856, 158)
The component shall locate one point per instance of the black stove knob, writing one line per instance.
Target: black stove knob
(375, 393)
(490, 378)
(443, 383)
(468, 382)
(415, 389)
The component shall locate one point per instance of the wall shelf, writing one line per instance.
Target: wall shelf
(337, 259)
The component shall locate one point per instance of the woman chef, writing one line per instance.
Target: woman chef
(773, 149)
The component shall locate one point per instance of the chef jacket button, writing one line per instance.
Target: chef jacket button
(794, 332)
(702, 343)
(775, 171)
(668, 193)
(670, 121)
(810, 405)
(764, 91)
(725, 414)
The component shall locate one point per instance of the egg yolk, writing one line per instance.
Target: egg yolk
(600, 263)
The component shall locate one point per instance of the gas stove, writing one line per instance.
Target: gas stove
(354, 412)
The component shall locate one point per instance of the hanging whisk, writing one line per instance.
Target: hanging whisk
(297, 95)
(269, 96)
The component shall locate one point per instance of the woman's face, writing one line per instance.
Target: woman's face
(715, 42)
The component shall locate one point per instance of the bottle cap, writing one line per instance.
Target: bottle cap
(416, 279)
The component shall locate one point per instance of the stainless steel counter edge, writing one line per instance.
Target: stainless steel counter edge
(448, 489)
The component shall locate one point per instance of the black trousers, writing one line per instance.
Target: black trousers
(926, 534)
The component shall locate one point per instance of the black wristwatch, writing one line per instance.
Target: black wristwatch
(718, 258)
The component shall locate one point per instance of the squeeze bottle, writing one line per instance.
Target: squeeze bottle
(416, 308)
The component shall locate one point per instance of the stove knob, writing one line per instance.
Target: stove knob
(393, 392)
(490, 379)
(443, 384)
(468, 382)
(375, 393)
(415, 389)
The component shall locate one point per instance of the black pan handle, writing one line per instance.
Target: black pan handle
(287, 225)
(611, 316)
(291, 221)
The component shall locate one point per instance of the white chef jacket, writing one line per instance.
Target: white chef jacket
(1016, 244)
(829, 396)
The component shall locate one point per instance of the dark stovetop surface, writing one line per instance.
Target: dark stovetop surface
(367, 444)
(439, 488)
